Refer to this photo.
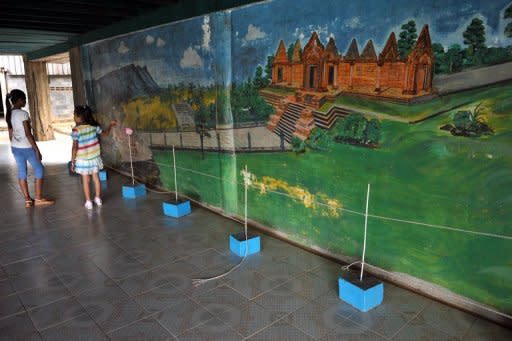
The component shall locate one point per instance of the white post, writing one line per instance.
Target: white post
(365, 226)
(246, 184)
(175, 177)
(131, 159)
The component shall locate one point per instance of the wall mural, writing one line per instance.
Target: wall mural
(410, 96)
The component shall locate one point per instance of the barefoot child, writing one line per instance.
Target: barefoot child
(24, 147)
(85, 155)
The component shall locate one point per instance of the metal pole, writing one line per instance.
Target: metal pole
(175, 177)
(131, 159)
(365, 227)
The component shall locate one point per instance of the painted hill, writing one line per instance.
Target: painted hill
(125, 83)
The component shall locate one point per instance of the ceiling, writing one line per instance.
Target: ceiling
(28, 25)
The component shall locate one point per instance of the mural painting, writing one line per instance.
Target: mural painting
(422, 113)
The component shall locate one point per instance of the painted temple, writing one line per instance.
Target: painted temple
(320, 73)
(319, 68)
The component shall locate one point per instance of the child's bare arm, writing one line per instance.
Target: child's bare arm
(106, 132)
(74, 149)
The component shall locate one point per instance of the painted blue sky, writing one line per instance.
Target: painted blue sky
(173, 53)
(257, 29)
(198, 50)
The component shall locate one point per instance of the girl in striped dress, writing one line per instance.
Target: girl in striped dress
(86, 152)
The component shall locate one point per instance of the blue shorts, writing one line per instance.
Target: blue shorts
(22, 155)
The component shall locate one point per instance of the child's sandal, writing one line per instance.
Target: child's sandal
(29, 203)
(43, 202)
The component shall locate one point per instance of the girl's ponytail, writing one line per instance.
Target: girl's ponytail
(8, 108)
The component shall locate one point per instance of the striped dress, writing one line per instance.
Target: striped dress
(88, 159)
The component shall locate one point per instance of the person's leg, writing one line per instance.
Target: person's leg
(97, 185)
(38, 168)
(20, 155)
(87, 191)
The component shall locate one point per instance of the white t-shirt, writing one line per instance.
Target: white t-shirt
(19, 139)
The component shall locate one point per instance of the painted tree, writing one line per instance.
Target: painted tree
(439, 57)
(454, 58)
(289, 52)
(508, 15)
(407, 39)
(474, 36)
(259, 81)
(268, 69)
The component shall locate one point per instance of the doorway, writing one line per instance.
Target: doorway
(312, 77)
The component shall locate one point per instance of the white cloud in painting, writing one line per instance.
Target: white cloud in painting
(206, 33)
(254, 33)
(123, 48)
(321, 30)
(191, 59)
(354, 22)
(160, 42)
(150, 39)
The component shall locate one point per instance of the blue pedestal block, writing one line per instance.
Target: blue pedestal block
(238, 245)
(176, 209)
(363, 295)
(134, 191)
(103, 175)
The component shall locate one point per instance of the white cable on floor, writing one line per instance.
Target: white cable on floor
(247, 182)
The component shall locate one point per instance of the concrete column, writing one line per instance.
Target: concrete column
(3, 87)
(38, 93)
(77, 76)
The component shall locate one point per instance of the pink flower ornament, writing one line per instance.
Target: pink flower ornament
(128, 131)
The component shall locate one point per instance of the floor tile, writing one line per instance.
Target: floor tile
(212, 330)
(381, 320)
(183, 316)
(109, 291)
(145, 329)
(81, 328)
(449, 320)
(248, 319)
(115, 315)
(142, 282)
(43, 295)
(5, 288)
(55, 313)
(281, 300)
(77, 281)
(315, 320)
(281, 331)
(18, 327)
(161, 298)
(10, 305)
(249, 283)
(417, 330)
(485, 330)
(221, 299)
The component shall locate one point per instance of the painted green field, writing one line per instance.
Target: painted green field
(419, 174)
(420, 110)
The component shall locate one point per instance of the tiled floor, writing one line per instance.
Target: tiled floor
(123, 272)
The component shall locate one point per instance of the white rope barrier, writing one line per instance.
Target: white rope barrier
(343, 209)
